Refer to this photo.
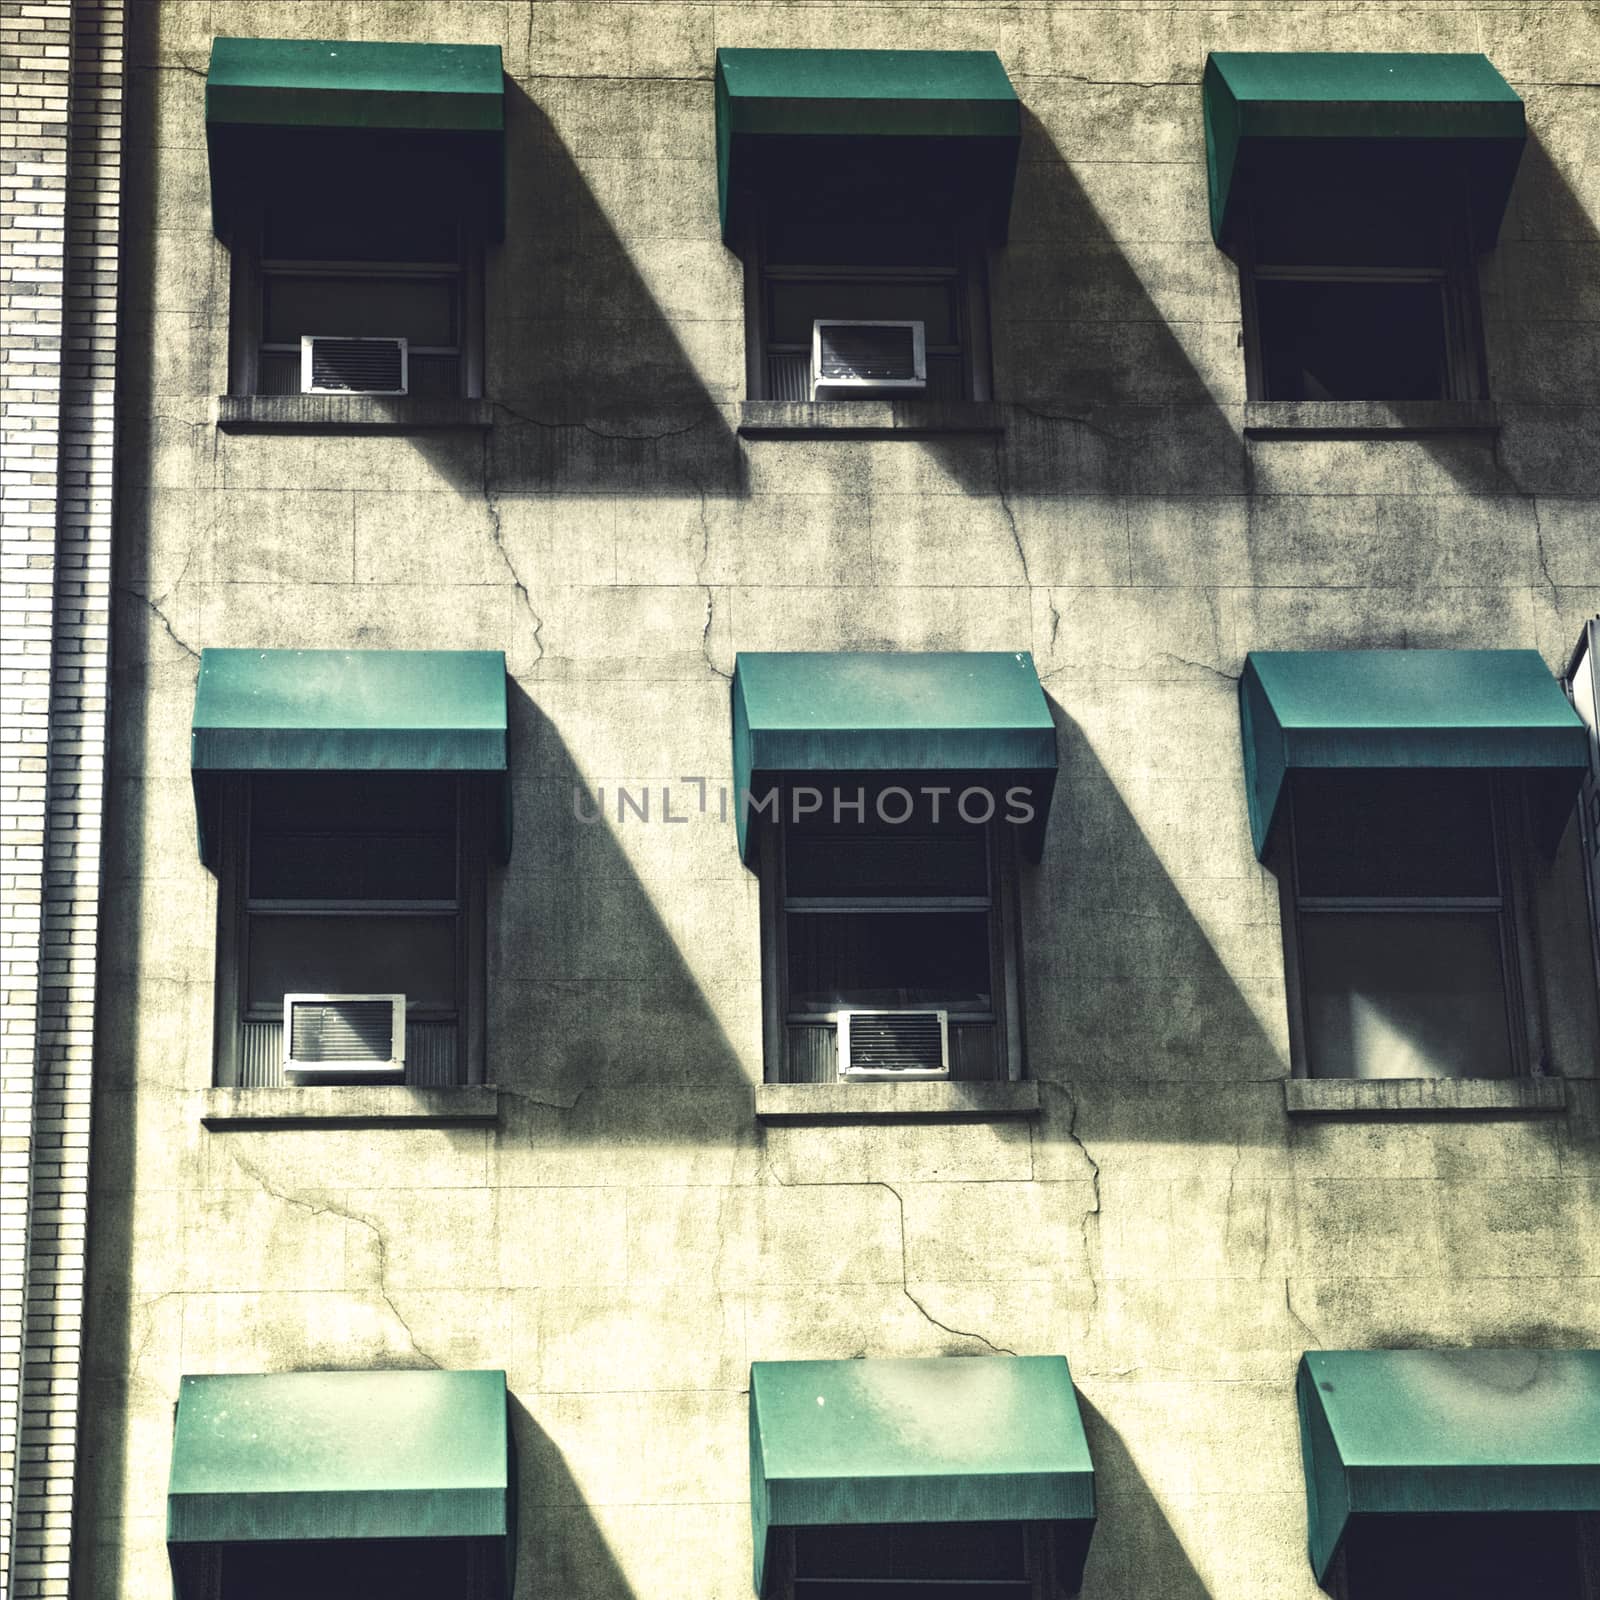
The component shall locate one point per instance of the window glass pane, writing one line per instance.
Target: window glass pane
(1352, 340)
(912, 1550)
(1476, 1556)
(798, 243)
(422, 310)
(305, 232)
(793, 307)
(845, 862)
(1404, 995)
(352, 836)
(396, 1569)
(885, 959)
(1395, 834)
(911, 1589)
(413, 956)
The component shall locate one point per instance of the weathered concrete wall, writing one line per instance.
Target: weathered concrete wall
(626, 1239)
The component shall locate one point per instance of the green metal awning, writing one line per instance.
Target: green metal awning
(452, 91)
(1255, 97)
(345, 711)
(1317, 709)
(838, 98)
(978, 712)
(341, 1455)
(943, 1439)
(1426, 1431)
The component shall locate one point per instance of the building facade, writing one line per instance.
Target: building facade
(1247, 512)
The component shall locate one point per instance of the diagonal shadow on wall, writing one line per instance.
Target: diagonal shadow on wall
(593, 390)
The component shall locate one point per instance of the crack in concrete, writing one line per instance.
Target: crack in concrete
(1002, 487)
(1076, 417)
(329, 1208)
(1202, 666)
(710, 589)
(497, 534)
(769, 1171)
(538, 1100)
(1542, 555)
(583, 425)
(1288, 1301)
(166, 622)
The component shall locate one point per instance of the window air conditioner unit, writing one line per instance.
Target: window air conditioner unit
(894, 1044)
(344, 1038)
(352, 366)
(867, 358)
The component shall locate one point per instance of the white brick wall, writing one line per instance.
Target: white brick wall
(60, 169)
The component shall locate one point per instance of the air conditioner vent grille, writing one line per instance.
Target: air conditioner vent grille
(353, 366)
(863, 360)
(879, 354)
(342, 1030)
(894, 1044)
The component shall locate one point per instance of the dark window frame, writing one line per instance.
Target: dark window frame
(1000, 906)
(252, 269)
(969, 278)
(1513, 835)
(235, 910)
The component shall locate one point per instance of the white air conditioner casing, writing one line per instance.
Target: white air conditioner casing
(344, 1038)
(894, 1044)
(856, 359)
(338, 365)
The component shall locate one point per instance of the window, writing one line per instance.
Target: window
(1481, 1556)
(916, 1561)
(342, 1569)
(1400, 913)
(352, 883)
(1357, 288)
(338, 258)
(867, 914)
(858, 253)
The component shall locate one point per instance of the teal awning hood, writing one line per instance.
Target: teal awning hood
(798, 714)
(345, 711)
(1253, 98)
(1426, 1431)
(341, 1455)
(943, 1439)
(959, 103)
(454, 92)
(1304, 710)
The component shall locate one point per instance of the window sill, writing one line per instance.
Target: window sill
(1382, 1097)
(1367, 419)
(354, 413)
(867, 419)
(354, 1106)
(854, 1102)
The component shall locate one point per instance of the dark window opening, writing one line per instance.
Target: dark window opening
(1349, 339)
(359, 1569)
(913, 1561)
(865, 249)
(1360, 276)
(1477, 1556)
(867, 915)
(1403, 932)
(379, 240)
(353, 884)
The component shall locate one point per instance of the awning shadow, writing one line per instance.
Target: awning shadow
(1102, 395)
(593, 388)
(1133, 1540)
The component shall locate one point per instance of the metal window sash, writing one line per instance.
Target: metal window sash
(351, 908)
(1514, 980)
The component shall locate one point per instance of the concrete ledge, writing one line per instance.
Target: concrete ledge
(347, 413)
(1366, 419)
(852, 1102)
(867, 419)
(355, 1105)
(1383, 1097)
